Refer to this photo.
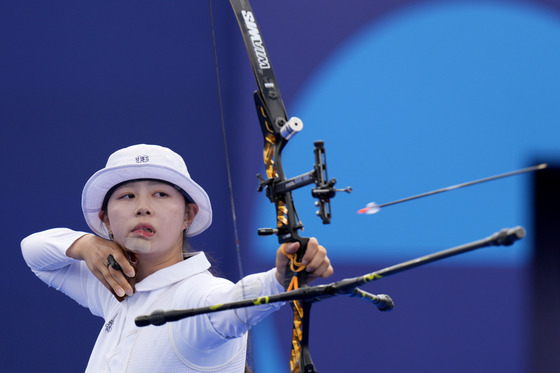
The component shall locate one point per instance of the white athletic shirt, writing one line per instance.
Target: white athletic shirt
(206, 343)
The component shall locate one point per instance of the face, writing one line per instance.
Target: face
(148, 217)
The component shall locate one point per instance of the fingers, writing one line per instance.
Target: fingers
(96, 252)
(114, 274)
(118, 284)
(281, 256)
(121, 261)
(112, 279)
(282, 259)
(112, 263)
(315, 260)
(111, 284)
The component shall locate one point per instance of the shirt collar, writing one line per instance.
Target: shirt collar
(175, 273)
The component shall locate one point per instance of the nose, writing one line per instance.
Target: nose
(141, 211)
(143, 207)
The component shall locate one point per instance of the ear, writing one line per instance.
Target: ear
(105, 219)
(190, 212)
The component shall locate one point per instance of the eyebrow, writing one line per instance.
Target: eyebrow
(110, 192)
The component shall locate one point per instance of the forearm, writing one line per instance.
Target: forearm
(206, 334)
(237, 322)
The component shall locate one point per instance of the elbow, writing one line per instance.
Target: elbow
(29, 245)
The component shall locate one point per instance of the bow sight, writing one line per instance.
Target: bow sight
(324, 187)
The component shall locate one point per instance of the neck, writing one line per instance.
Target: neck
(147, 263)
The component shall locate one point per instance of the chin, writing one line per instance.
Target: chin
(138, 245)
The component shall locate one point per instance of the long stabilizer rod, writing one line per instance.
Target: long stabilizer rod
(349, 287)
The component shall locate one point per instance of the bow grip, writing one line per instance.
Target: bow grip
(296, 275)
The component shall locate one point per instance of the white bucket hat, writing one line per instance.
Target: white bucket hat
(143, 162)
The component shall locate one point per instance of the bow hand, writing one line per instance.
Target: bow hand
(314, 261)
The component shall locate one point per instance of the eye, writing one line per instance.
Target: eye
(127, 196)
(161, 194)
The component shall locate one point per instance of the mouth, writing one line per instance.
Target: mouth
(144, 230)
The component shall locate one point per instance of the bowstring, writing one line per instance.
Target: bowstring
(228, 169)
(224, 135)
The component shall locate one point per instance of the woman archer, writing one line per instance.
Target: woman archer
(142, 207)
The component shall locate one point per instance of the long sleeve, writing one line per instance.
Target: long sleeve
(252, 286)
(45, 253)
(204, 334)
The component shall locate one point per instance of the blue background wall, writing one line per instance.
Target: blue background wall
(409, 96)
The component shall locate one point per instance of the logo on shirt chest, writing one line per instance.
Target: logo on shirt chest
(109, 326)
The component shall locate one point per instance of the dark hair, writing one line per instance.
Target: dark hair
(188, 198)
